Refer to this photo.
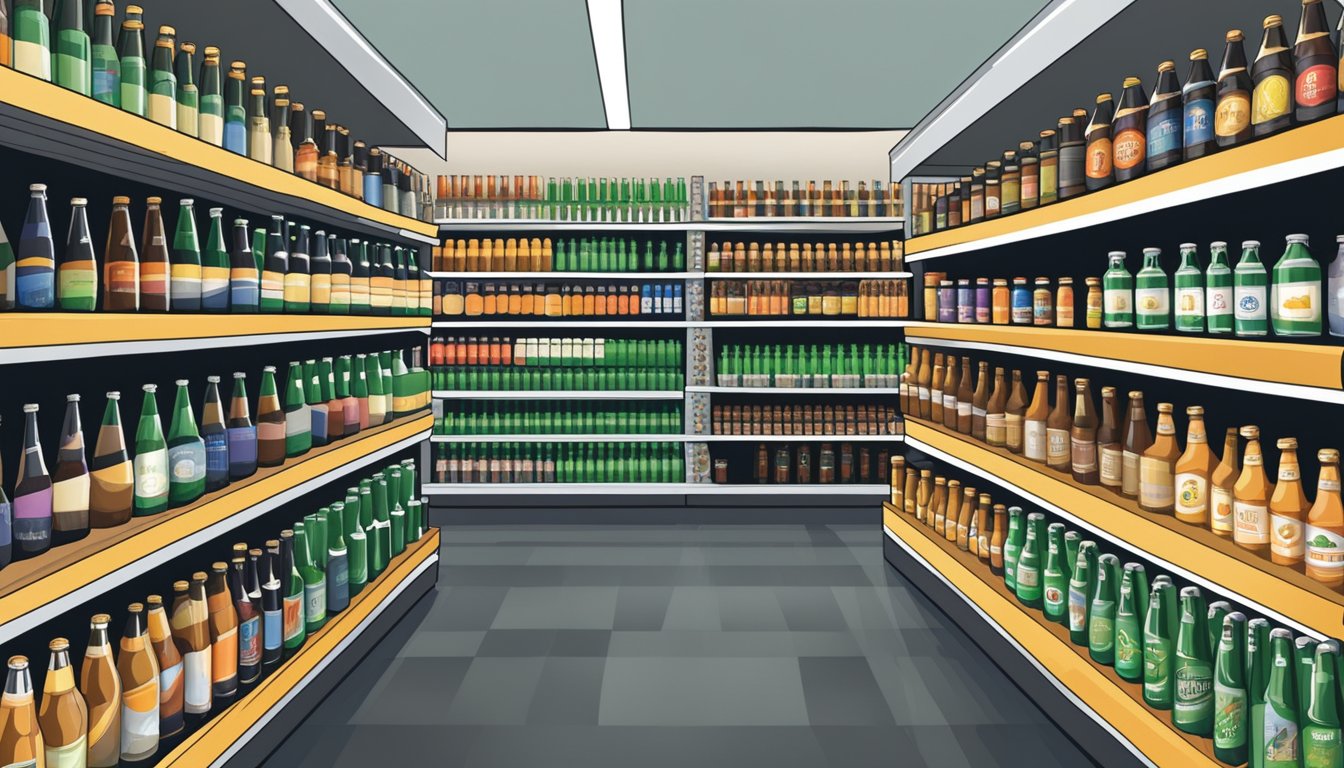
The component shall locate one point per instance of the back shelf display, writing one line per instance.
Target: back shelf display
(746, 199)
(806, 420)
(462, 196)
(559, 463)
(794, 257)
(569, 363)
(515, 300)
(824, 366)
(588, 254)
(573, 418)
(810, 298)
(834, 462)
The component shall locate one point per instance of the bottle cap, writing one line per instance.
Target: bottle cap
(1234, 35)
(167, 30)
(1166, 66)
(1198, 53)
(181, 382)
(1250, 432)
(1131, 81)
(1194, 410)
(1298, 239)
(1286, 443)
(59, 644)
(1250, 243)
(151, 388)
(1152, 251)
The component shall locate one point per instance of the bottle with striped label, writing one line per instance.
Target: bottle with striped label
(185, 291)
(274, 270)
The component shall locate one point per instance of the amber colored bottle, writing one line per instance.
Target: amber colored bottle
(139, 673)
(979, 402)
(121, 264)
(1058, 427)
(171, 720)
(223, 636)
(1015, 413)
(1083, 436)
(910, 498)
(924, 495)
(947, 526)
(936, 390)
(154, 289)
(997, 538)
(1193, 471)
(909, 391)
(1288, 509)
(951, 384)
(982, 529)
(1110, 441)
(924, 382)
(965, 398)
(1137, 440)
(1325, 525)
(965, 519)
(63, 716)
(1221, 487)
(1157, 465)
(937, 505)
(897, 481)
(1034, 422)
(100, 686)
(1250, 497)
(305, 156)
(996, 412)
(270, 422)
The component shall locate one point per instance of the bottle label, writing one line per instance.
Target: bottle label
(1099, 158)
(1233, 114)
(996, 428)
(1194, 690)
(1325, 551)
(1034, 440)
(1251, 522)
(1298, 301)
(315, 601)
(249, 642)
(1057, 447)
(1028, 577)
(140, 721)
(1229, 717)
(1071, 161)
(964, 409)
(1129, 473)
(1250, 302)
(151, 474)
(1157, 488)
(272, 629)
(1280, 738)
(1128, 649)
(1129, 149)
(1077, 609)
(187, 462)
(1192, 496)
(1321, 748)
(72, 755)
(1112, 466)
(1218, 301)
(1285, 538)
(1054, 599)
(293, 609)
(1116, 301)
(196, 681)
(1157, 669)
(224, 657)
(1151, 302)
(1101, 633)
(1272, 99)
(1164, 132)
(242, 446)
(1083, 455)
(216, 454)
(1198, 122)
(1221, 518)
(1315, 85)
(1189, 302)
(1013, 431)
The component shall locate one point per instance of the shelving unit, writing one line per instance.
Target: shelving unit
(565, 394)
(544, 323)
(886, 391)
(564, 275)
(635, 489)
(805, 275)
(558, 438)
(798, 438)
(810, 224)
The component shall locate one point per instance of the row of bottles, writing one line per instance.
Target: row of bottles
(1284, 87)
(324, 401)
(745, 199)
(785, 464)
(1035, 303)
(74, 48)
(569, 418)
(1117, 449)
(806, 419)
(286, 268)
(824, 366)
(514, 299)
(563, 462)
(563, 199)
(182, 662)
(887, 256)
(588, 254)
(1261, 697)
(809, 298)
(554, 352)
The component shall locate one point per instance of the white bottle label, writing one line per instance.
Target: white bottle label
(1192, 495)
(1189, 301)
(1034, 440)
(1298, 301)
(1151, 301)
(1251, 523)
(1285, 539)
(1218, 301)
(1325, 550)
(1220, 510)
(1250, 302)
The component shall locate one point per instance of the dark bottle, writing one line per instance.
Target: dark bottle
(155, 288)
(249, 621)
(215, 434)
(1198, 97)
(1232, 116)
(1315, 64)
(1130, 145)
(1072, 159)
(1099, 168)
(6, 524)
(1272, 77)
(70, 482)
(32, 493)
(1165, 119)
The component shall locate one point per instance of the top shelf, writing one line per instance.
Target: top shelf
(46, 120)
(807, 224)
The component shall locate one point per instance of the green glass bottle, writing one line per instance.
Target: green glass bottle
(338, 561)
(234, 135)
(1129, 624)
(314, 582)
(162, 84)
(1055, 577)
(1101, 616)
(210, 116)
(131, 52)
(1152, 294)
(1214, 624)
(1117, 293)
(298, 421)
(1230, 710)
(186, 452)
(1189, 291)
(1279, 722)
(32, 39)
(1158, 646)
(105, 64)
(151, 459)
(1192, 672)
(72, 56)
(1219, 297)
(1029, 560)
(356, 543)
(397, 528)
(1250, 288)
(1304, 657)
(381, 536)
(1082, 582)
(292, 594)
(1257, 678)
(1295, 295)
(1012, 547)
(1321, 743)
(188, 96)
(215, 266)
(185, 288)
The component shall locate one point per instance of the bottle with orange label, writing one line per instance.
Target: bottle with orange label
(1130, 144)
(1287, 508)
(1098, 164)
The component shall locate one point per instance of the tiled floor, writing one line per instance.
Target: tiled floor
(685, 646)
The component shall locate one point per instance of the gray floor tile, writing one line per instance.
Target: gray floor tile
(415, 692)
(810, 609)
(627, 555)
(693, 608)
(641, 608)
(517, 642)
(764, 644)
(750, 609)
(557, 608)
(495, 692)
(842, 691)
(464, 607)
(702, 691)
(436, 643)
(568, 693)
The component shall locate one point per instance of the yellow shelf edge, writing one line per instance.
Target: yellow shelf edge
(1132, 720)
(20, 330)
(52, 101)
(215, 738)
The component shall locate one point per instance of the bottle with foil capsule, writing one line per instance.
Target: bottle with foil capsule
(70, 481)
(1164, 119)
(259, 146)
(155, 288)
(1198, 98)
(1272, 81)
(32, 494)
(171, 719)
(235, 108)
(161, 106)
(1100, 169)
(1130, 143)
(244, 277)
(77, 273)
(272, 608)
(139, 673)
(1232, 115)
(1316, 65)
(282, 142)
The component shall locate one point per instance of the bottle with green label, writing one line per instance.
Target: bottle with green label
(31, 38)
(1101, 616)
(131, 52)
(1279, 722)
(1321, 744)
(106, 65)
(188, 96)
(1250, 288)
(1152, 294)
(1158, 646)
(1257, 678)
(1117, 293)
(1081, 583)
(71, 57)
(1012, 547)
(1055, 577)
(298, 421)
(186, 452)
(77, 271)
(1192, 670)
(1129, 616)
(151, 459)
(314, 581)
(162, 83)
(356, 542)
(210, 115)
(1295, 295)
(1219, 295)
(1029, 562)
(1189, 291)
(1230, 710)
(185, 289)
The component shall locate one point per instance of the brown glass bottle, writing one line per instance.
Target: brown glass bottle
(925, 380)
(947, 526)
(100, 686)
(979, 402)
(1250, 497)
(1034, 421)
(1272, 81)
(1110, 441)
(1193, 471)
(1058, 427)
(1137, 439)
(965, 518)
(910, 498)
(909, 385)
(1157, 466)
(1222, 482)
(1100, 170)
(1232, 115)
(1083, 436)
(996, 540)
(996, 412)
(982, 529)
(139, 673)
(1165, 118)
(154, 288)
(937, 505)
(305, 156)
(1198, 97)
(1288, 508)
(121, 264)
(951, 383)
(1130, 146)
(965, 398)
(1071, 161)
(924, 495)
(1315, 64)
(1015, 413)
(936, 389)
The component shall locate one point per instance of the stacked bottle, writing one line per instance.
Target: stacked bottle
(746, 199)
(810, 366)
(514, 299)
(806, 419)
(505, 463)
(565, 199)
(806, 298)
(583, 363)
(571, 418)
(591, 254)
(887, 256)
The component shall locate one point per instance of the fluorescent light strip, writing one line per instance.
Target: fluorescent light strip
(606, 21)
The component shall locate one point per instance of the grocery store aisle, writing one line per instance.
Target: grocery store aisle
(674, 646)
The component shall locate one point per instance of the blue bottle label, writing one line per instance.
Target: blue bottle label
(1164, 133)
(273, 626)
(216, 455)
(242, 447)
(1198, 121)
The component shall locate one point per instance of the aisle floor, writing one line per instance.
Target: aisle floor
(674, 646)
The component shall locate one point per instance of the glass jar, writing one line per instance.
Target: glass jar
(1042, 303)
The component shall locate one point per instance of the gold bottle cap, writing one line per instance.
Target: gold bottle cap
(1198, 53)
(1234, 36)
(104, 9)
(1042, 375)
(1049, 132)
(940, 480)
(198, 576)
(180, 586)
(1194, 410)
(135, 608)
(58, 644)
(132, 24)
(1273, 20)
(1250, 432)
(1102, 98)
(84, 201)
(187, 48)
(258, 92)
(220, 567)
(319, 114)
(167, 30)
(1131, 81)
(134, 9)
(1328, 456)
(100, 619)
(925, 472)
(1026, 146)
(18, 662)
(154, 200)
(1286, 443)
(211, 52)
(1092, 281)
(1167, 66)
(238, 65)
(1135, 394)
(1080, 383)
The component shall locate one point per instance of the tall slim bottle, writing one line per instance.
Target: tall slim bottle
(1110, 442)
(134, 71)
(1321, 742)
(1152, 294)
(272, 608)
(334, 404)
(1230, 706)
(248, 614)
(151, 459)
(32, 42)
(1192, 670)
(294, 599)
(100, 686)
(298, 421)
(1137, 440)
(191, 634)
(241, 434)
(1129, 624)
(298, 282)
(1280, 721)
(171, 681)
(271, 422)
(77, 273)
(1288, 508)
(105, 66)
(1130, 145)
(210, 117)
(316, 403)
(186, 452)
(1159, 646)
(235, 108)
(6, 525)
(185, 291)
(1083, 463)
(1193, 471)
(1165, 119)
(282, 143)
(1189, 280)
(215, 436)
(1099, 169)
(1198, 98)
(360, 290)
(338, 563)
(161, 106)
(139, 673)
(1232, 115)
(1272, 76)
(276, 267)
(188, 95)
(70, 481)
(357, 551)
(63, 716)
(1221, 482)
(112, 476)
(314, 582)
(35, 267)
(215, 266)
(1325, 525)
(244, 279)
(341, 270)
(32, 493)
(155, 288)
(20, 735)
(223, 636)
(320, 281)
(259, 142)
(1316, 65)
(1157, 466)
(1251, 494)
(121, 264)
(1101, 611)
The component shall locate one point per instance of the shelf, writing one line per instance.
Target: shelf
(31, 337)
(564, 275)
(795, 438)
(220, 739)
(1111, 703)
(554, 438)
(564, 394)
(1289, 155)
(1196, 554)
(44, 587)
(814, 224)
(804, 224)
(1308, 371)
(599, 489)
(547, 323)
(797, 390)
(806, 275)
(47, 120)
(786, 321)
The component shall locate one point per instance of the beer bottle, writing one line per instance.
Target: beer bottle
(1057, 428)
(63, 716)
(100, 686)
(235, 108)
(1131, 125)
(1198, 96)
(139, 673)
(1048, 155)
(1221, 483)
(215, 265)
(400, 291)
(382, 521)
(154, 260)
(162, 86)
(1012, 545)
(338, 562)
(298, 421)
(223, 636)
(341, 270)
(188, 95)
(1230, 707)
(20, 734)
(1033, 423)
(186, 261)
(1279, 721)
(1015, 415)
(32, 55)
(1164, 120)
(993, 536)
(360, 390)
(77, 274)
(360, 290)
(1257, 679)
(1250, 504)
(1272, 73)
(316, 404)
(1157, 465)
(965, 528)
(131, 52)
(1287, 509)
(1100, 170)
(248, 612)
(335, 405)
(32, 493)
(314, 582)
(282, 140)
(121, 267)
(1136, 443)
(259, 145)
(1295, 298)
(1192, 709)
(186, 451)
(1304, 650)
(244, 280)
(1219, 296)
(1029, 561)
(1232, 116)
(1117, 293)
(1101, 612)
(105, 83)
(1082, 436)
(70, 481)
(1082, 578)
(924, 390)
(1189, 292)
(8, 290)
(320, 266)
(1193, 471)
(1316, 66)
(272, 608)
(349, 403)
(328, 174)
(259, 235)
(1072, 162)
(191, 635)
(380, 281)
(6, 525)
(980, 403)
(293, 603)
(1152, 294)
(357, 543)
(271, 423)
(275, 269)
(1320, 722)
(379, 413)
(1159, 645)
(215, 436)
(1055, 577)
(35, 268)
(170, 668)
(1325, 525)
(1129, 624)
(963, 397)
(210, 118)
(298, 282)
(241, 435)
(1110, 442)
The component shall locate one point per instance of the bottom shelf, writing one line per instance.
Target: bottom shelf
(1101, 712)
(636, 489)
(229, 738)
